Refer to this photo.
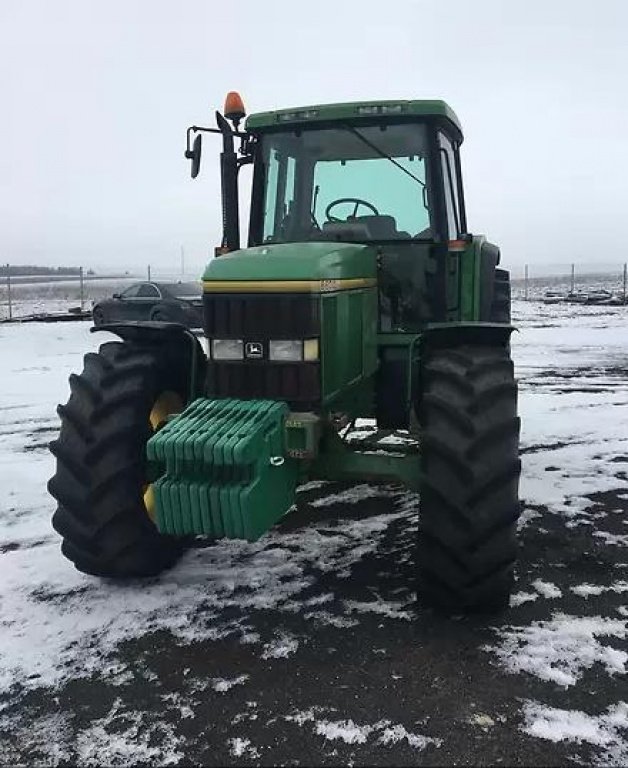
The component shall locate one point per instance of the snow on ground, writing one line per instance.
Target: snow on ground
(546, 589)
(573, 405)
(562, 649)
(353, 733)
(608, 730)
(311, 589)
(222, 686)
(120, 738)
(242, 747)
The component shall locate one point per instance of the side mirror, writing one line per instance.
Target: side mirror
(194, 155)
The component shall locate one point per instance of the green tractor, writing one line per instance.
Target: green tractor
(360, 294)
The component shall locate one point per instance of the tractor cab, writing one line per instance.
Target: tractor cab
(368, 172)
(349, 181)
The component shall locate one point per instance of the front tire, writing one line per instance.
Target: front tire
(100, 476)
(98, 316)
(469, 504)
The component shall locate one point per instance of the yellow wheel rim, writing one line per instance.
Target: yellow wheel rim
(149, 501)
(167, 404)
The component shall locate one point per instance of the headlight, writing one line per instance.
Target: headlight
(310, 349)
(227, 349)
(285, 350)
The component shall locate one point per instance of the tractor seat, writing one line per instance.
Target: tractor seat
(364, 228)
(345, 230)
(383, 228)
(379, 227)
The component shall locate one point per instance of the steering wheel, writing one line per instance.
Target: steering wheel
(358, 202)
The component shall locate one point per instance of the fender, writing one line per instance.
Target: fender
(174, 340)
(454, 334)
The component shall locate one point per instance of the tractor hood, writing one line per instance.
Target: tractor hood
(315, 261)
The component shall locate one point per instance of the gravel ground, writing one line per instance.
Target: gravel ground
(308, 647)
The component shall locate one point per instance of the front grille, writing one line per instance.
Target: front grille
(296, 383)
(259, 318)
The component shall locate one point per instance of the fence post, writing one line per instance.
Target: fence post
(525, 283)
(9, 292)
(625, 276)
(82, 290)
(573, 278)
(149, 273)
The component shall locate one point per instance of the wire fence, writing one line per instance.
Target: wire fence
(71, 290)
(535, 282)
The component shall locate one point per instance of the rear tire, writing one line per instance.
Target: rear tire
(101, 467)
(469, 504)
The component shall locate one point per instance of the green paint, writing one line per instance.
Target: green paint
(348, 342)
(218, 471)
(470, 281)
(348, 345)
(413, 366)
(295, 261)
(356, 400)
(394, 339)
(302, 434)
(221, 468)
(452, 286)
(339, 461)
(358, 110)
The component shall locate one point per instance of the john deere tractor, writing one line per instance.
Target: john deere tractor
(359, 294)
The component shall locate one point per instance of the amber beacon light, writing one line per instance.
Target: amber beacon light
(234, 108)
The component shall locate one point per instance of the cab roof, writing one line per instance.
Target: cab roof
(354, 110)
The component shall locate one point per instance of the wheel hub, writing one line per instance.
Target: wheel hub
(167, 404)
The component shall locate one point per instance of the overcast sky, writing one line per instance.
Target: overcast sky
(96, 96)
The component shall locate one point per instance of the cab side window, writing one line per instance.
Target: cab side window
(450, 181)
(279, 195)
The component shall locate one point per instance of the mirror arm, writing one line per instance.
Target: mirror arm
(201, 129)
(230, 165)
(195, 129)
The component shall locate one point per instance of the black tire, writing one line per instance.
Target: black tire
(100, 474)
(469, 503)
(98, 316)
(500, 305)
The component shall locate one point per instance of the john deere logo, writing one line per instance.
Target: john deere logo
(254, 349)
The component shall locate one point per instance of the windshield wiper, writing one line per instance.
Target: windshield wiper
(381, 153)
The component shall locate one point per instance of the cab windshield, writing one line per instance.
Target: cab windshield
(346, 183)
